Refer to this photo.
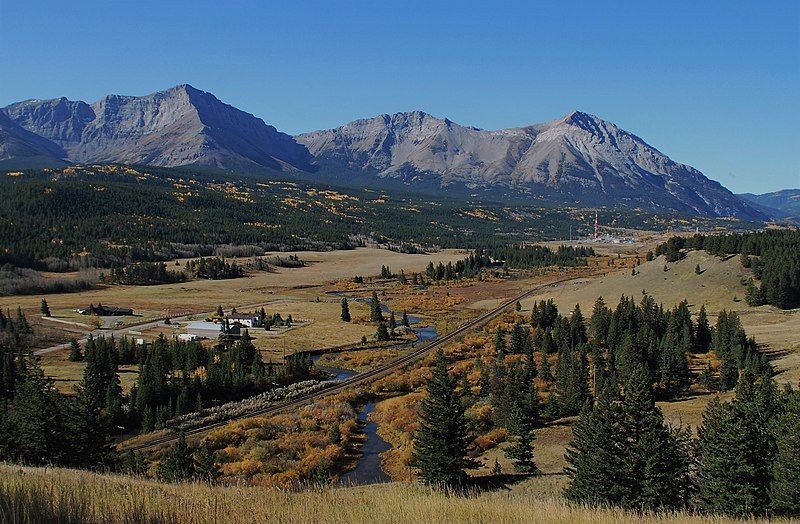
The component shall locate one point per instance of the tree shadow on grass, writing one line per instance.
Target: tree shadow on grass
(500, 482)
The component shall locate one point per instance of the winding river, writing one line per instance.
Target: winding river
(368, 468)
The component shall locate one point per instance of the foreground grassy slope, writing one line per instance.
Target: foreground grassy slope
(60, 495)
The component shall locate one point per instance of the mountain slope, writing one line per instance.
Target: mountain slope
(782, 204)
(21, 148)
(177, 127)
(577, 160)
(579, 157)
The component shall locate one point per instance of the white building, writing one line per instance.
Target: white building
(204, 330)
(246, 320)
(210, 330)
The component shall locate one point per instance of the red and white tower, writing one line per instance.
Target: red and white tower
(596, 226)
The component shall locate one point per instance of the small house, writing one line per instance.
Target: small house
(246, 320)
(106, 311)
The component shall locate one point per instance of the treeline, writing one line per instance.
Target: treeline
(507, 256)
(122, 215)
(144, 273)
(22, 281)
(774, 256)
(527, 256)
(215, 268)
(465, 268)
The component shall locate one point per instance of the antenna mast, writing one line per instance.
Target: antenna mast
(596, 226)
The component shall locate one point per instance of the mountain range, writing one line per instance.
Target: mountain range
(578, 159)
(781, 204)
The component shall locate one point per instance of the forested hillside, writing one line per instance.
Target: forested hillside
(110, 215)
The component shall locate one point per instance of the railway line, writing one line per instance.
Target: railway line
(356, 380)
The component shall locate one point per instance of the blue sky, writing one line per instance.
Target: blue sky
(712, 84)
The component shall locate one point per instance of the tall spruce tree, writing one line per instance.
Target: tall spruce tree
(375, 313)
(522, 419)
(382, 334)
(345, 311)
(89, 427)
(595, 462)
(440, 443)
(622, 454)
(702, 337)
(785, 487)
(36, 420)
(736, 450)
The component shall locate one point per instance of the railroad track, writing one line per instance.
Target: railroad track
(361, 378)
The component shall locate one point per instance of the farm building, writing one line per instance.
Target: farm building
(105, 311)
(246, 320)
(211, 330)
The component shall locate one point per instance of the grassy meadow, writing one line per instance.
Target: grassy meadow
(37, 495)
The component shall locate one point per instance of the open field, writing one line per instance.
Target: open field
(204, 295)
(61, 495)
(287, 291)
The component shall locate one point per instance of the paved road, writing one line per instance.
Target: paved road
(358, 379)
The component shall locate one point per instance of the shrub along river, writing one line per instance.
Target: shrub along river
(368, 468)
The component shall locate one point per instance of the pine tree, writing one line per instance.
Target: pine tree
(601, 318)
(392, 321)
(595, 465)
(133, 463)
(404, 321)
(75, 354)
(702, 332)
(375, 313)
(335, 434)
(736, 450)
(345, 311)
(785, 487)
(522, 420)
(89, 428)
(500, 342)
(440, 443)
(36, 419)
(546, 370)
(656, 461)
(382, 334)
(177, 465)
(622, 454)
(44, 308)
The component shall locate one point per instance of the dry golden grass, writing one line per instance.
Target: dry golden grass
(60, 495)
(324, 330)
(205, 295)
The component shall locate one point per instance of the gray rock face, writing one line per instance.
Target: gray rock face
(580, 155)
(177, 127)
(578, 159)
